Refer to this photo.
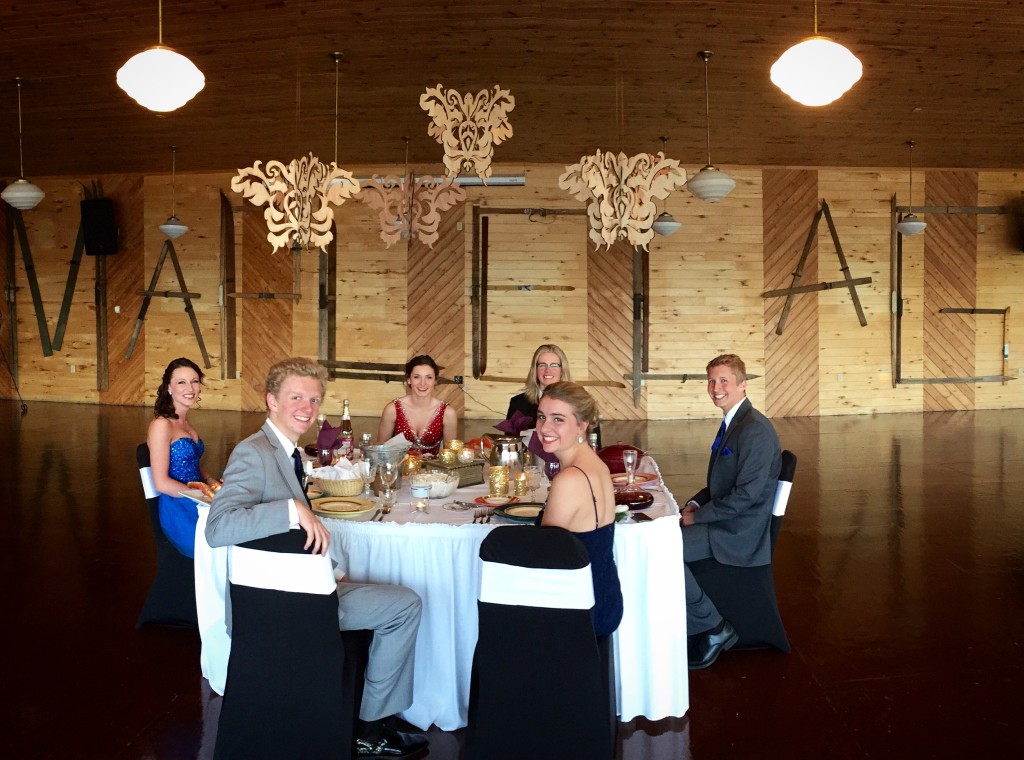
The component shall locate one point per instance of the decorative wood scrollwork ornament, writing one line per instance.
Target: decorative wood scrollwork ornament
(621, 191)
(410, 206)
(468, 126)
(298, 198)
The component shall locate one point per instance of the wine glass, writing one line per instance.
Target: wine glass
(532, 479)
(388, 477)
(551, 469)
(629, 462)
(371, 473)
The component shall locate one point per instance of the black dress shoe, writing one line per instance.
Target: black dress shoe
(393, 744)
(709, 645)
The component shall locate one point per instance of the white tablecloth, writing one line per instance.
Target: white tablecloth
(436, 555)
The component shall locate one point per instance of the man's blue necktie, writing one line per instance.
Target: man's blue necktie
(718, 438)
(298, 466)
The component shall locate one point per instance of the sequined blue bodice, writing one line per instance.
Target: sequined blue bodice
(185, 456)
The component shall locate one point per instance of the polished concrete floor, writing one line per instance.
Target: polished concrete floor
(900, 576)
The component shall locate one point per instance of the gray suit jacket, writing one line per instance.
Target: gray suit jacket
(736, 505)
(258, 481)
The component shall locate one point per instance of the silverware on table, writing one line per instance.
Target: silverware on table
(374, 515)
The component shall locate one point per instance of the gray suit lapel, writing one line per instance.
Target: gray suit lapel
(285, 464)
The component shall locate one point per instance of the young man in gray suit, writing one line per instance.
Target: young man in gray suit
(729, 519)
(263, 496)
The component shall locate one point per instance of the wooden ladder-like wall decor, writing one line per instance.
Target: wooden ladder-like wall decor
(847, 282)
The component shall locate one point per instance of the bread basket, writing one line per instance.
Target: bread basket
(347, 487)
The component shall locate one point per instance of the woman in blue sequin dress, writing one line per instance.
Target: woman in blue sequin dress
(175, 450)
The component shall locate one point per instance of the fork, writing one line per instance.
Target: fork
(479, 515)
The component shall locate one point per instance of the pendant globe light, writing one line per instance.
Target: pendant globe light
(173, 228)
(709, 184)
(159, 78)
(910, 225)
(817, 70)
(665, 224)
(21, 194)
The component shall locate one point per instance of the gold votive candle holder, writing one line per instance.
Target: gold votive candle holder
(498, 480)
(447, 456)
(411, 464)
(455, 445)
(519, 484)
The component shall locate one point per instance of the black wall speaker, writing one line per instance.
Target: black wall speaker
(99, 227)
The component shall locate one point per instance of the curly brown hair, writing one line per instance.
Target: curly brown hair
(164, 406)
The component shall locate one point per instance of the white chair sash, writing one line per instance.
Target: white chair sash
(148, 487)
(537, 587)
(277, 571)
(781, 498)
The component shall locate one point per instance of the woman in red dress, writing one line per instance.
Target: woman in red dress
(426, 422)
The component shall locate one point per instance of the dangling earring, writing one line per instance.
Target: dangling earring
(580, 439)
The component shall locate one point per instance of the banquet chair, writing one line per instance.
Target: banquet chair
(536, 683)
(171, 599)
(745, 596)
(284, 696)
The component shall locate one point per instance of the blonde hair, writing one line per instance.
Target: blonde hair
(584, 408)
(532, 386)
(733, 362)
(295, 366)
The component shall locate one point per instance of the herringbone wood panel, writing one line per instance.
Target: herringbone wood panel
(436, 303)
(610, 329)
(790, 201)
(266, 323)
(125, 277)
(950, 281)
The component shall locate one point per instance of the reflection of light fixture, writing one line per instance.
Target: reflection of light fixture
(159, 78)
(817, 70)
(910, 225)
(173, 228)
(709, 184)
(21, 193)
(665, 224)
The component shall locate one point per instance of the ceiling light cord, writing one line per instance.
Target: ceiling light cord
(707, 102)
(815, 18)
(21, 152)
(174, 153)
(910, 190)
(159, 22)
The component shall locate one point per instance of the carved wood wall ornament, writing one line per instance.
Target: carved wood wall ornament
(410, 206)
(620, 191)
(298, 197)
(468, 126)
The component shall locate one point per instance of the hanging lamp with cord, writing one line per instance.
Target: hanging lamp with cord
(910, 225)
(665, 224)
(817, 70)
(21, 194)
(160, 78)
(710, 183)
(173, 228)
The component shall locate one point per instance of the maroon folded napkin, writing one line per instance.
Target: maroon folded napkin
(515, 424)
(328, 437)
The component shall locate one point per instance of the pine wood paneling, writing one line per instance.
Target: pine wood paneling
(610, 329)
(436, 305)
(125, 278)
(266, 323)
(790, 201)
(7, 253)
(950, 281)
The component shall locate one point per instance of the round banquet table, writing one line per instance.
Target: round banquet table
(436, 555)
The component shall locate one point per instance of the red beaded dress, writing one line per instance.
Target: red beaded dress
(427, 442)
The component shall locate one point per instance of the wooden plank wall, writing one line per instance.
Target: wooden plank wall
(610, 329)
(8, 251)
(125, 278)
(706, 283)
(790, 201)
(436, 304)
(950, 281)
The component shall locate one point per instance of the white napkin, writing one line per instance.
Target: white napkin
(343, 470)
(398, 443)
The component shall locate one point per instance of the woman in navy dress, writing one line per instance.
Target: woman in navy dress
(175, 450)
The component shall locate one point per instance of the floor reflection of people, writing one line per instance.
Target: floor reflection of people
(425, 421)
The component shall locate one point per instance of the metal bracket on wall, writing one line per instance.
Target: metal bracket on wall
(847, 281)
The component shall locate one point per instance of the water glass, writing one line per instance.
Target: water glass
(388, 477)
(420, 496)
(629, 461)
(532, 473)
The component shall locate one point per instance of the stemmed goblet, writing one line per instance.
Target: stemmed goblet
(388, 477)
(629, 462)
(551, 469)
(532, 480)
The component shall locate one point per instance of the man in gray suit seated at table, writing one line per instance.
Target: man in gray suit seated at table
(729, 519)
(263, 496)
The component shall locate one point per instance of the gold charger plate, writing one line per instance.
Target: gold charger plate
(341, 506)
(620, 479)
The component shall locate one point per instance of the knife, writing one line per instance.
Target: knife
(641, 517)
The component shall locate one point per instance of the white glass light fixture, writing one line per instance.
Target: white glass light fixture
(910, 225)
(710, 183)
(173, 228)
(665, 224)
(159, 78)
(816, 71)
(21, 194)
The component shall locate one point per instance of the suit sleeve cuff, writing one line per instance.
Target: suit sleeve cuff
(293, 515)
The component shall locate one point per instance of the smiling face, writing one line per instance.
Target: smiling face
(295, 406)
(422, 380)
(557, 426)
(184, 387)
(723, 389)
(547, 373)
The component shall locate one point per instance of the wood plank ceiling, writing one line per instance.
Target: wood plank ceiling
(948, 74)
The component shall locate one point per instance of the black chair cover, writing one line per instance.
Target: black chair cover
(536, 687)
(782, 496)
(284, 692)
(172, 596)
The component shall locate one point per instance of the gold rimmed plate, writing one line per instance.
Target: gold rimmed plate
(341, 506)
(525, 512)
(639, 478)
(495, 501)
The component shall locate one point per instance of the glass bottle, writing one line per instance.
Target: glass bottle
(346, 429)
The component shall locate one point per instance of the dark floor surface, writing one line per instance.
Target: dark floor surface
(899, 571)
